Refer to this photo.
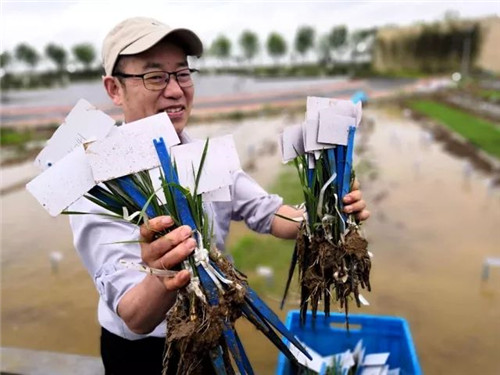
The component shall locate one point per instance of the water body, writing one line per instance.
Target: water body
(206, 86)
(214, 94)
(434, 220)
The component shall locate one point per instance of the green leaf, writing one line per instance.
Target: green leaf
(200, 168)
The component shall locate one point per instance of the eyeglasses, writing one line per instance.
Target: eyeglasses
(158, 80)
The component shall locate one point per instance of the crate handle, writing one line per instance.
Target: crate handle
(341, 327)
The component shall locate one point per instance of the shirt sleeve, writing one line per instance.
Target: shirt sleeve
(251, 203)
(96, 238)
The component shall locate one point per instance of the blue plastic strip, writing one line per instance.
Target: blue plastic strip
(217, 359)
(233, 347)
(322, 370)
(330, 154)
(165, 161)
(209, 286)
(185, 215)
(128, 186)
(310, 176)
(97, 192)
(346, 185)
(340, 161)
(271, 335)
(171, 177)
(246, 361)
(207, 283)
(247, 310)
(272, 319)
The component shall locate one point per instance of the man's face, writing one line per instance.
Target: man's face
(138, 102)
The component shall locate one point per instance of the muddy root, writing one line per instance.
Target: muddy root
(329, 271)
(195, 329)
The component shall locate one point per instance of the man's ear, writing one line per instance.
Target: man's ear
(114, 89)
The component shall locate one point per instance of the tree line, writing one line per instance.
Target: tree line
(83, 53)
(221, 48)
(431, 48)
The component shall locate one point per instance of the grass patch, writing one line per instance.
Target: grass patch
(490, 95)
(482, 133)
(251, 249)
(287, 185)
(11, 137)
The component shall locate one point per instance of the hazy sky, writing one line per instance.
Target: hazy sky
(71, 22)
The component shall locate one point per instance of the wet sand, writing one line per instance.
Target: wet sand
(432, 227)
(430, 235)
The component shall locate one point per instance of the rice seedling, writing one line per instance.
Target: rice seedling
(331, 255)
(201, 332)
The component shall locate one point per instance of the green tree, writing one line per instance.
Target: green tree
(323, 49)
(249, 43)
(276, 46)
(221, 48)
(304, 39)
(57, 55)
(360, 35)
(362, 41)
(27, 54)
(84, 54)
(338, 37)
(5, 60)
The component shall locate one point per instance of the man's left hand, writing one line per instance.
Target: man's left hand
(354, 203)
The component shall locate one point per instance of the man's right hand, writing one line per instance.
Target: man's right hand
(167, 251)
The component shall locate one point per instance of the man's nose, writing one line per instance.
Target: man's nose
(172, 90)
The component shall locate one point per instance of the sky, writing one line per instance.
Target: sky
(71, 22)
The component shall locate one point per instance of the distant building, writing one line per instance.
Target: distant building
(489, 54)
(449, 45)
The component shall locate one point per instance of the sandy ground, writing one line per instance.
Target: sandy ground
(434, 221)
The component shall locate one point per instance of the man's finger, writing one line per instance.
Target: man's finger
(179, 281)
(153, 226)
(355, 185)
(357, 206)
(164, 244)
(173, 256)
(353, 196)
(363, 215)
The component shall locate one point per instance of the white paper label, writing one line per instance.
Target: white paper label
(83, 123)
(317, 360)
(311, 137)
(220, 162)
(63, 183)
(340, 107)
(130, 148)
(333, 128)
(314, 105)
(376, 359)
(292, 142)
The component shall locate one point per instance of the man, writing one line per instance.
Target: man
(147, 72)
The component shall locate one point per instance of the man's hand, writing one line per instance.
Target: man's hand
(355, 204)
(286, 229)
(144, 306)
(167, 251)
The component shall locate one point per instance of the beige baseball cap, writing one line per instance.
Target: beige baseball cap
(137, 34)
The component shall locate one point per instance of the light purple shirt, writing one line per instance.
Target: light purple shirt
(95, 238)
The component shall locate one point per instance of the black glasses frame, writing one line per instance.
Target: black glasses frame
(167, 80)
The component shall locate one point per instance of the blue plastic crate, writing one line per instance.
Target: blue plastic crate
(379, 334)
